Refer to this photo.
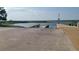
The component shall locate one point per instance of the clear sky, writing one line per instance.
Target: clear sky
(42, 13)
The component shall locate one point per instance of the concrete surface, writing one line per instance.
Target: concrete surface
(34, 39)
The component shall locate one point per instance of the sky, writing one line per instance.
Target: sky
(42, 13)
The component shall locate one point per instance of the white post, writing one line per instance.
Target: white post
(78, 24)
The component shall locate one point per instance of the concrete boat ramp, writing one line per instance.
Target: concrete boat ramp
(34, 39)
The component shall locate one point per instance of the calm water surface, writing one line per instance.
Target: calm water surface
(51, 25)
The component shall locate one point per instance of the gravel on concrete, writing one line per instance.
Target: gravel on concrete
(34, 39)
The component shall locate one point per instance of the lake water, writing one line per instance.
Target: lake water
(51, 25)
